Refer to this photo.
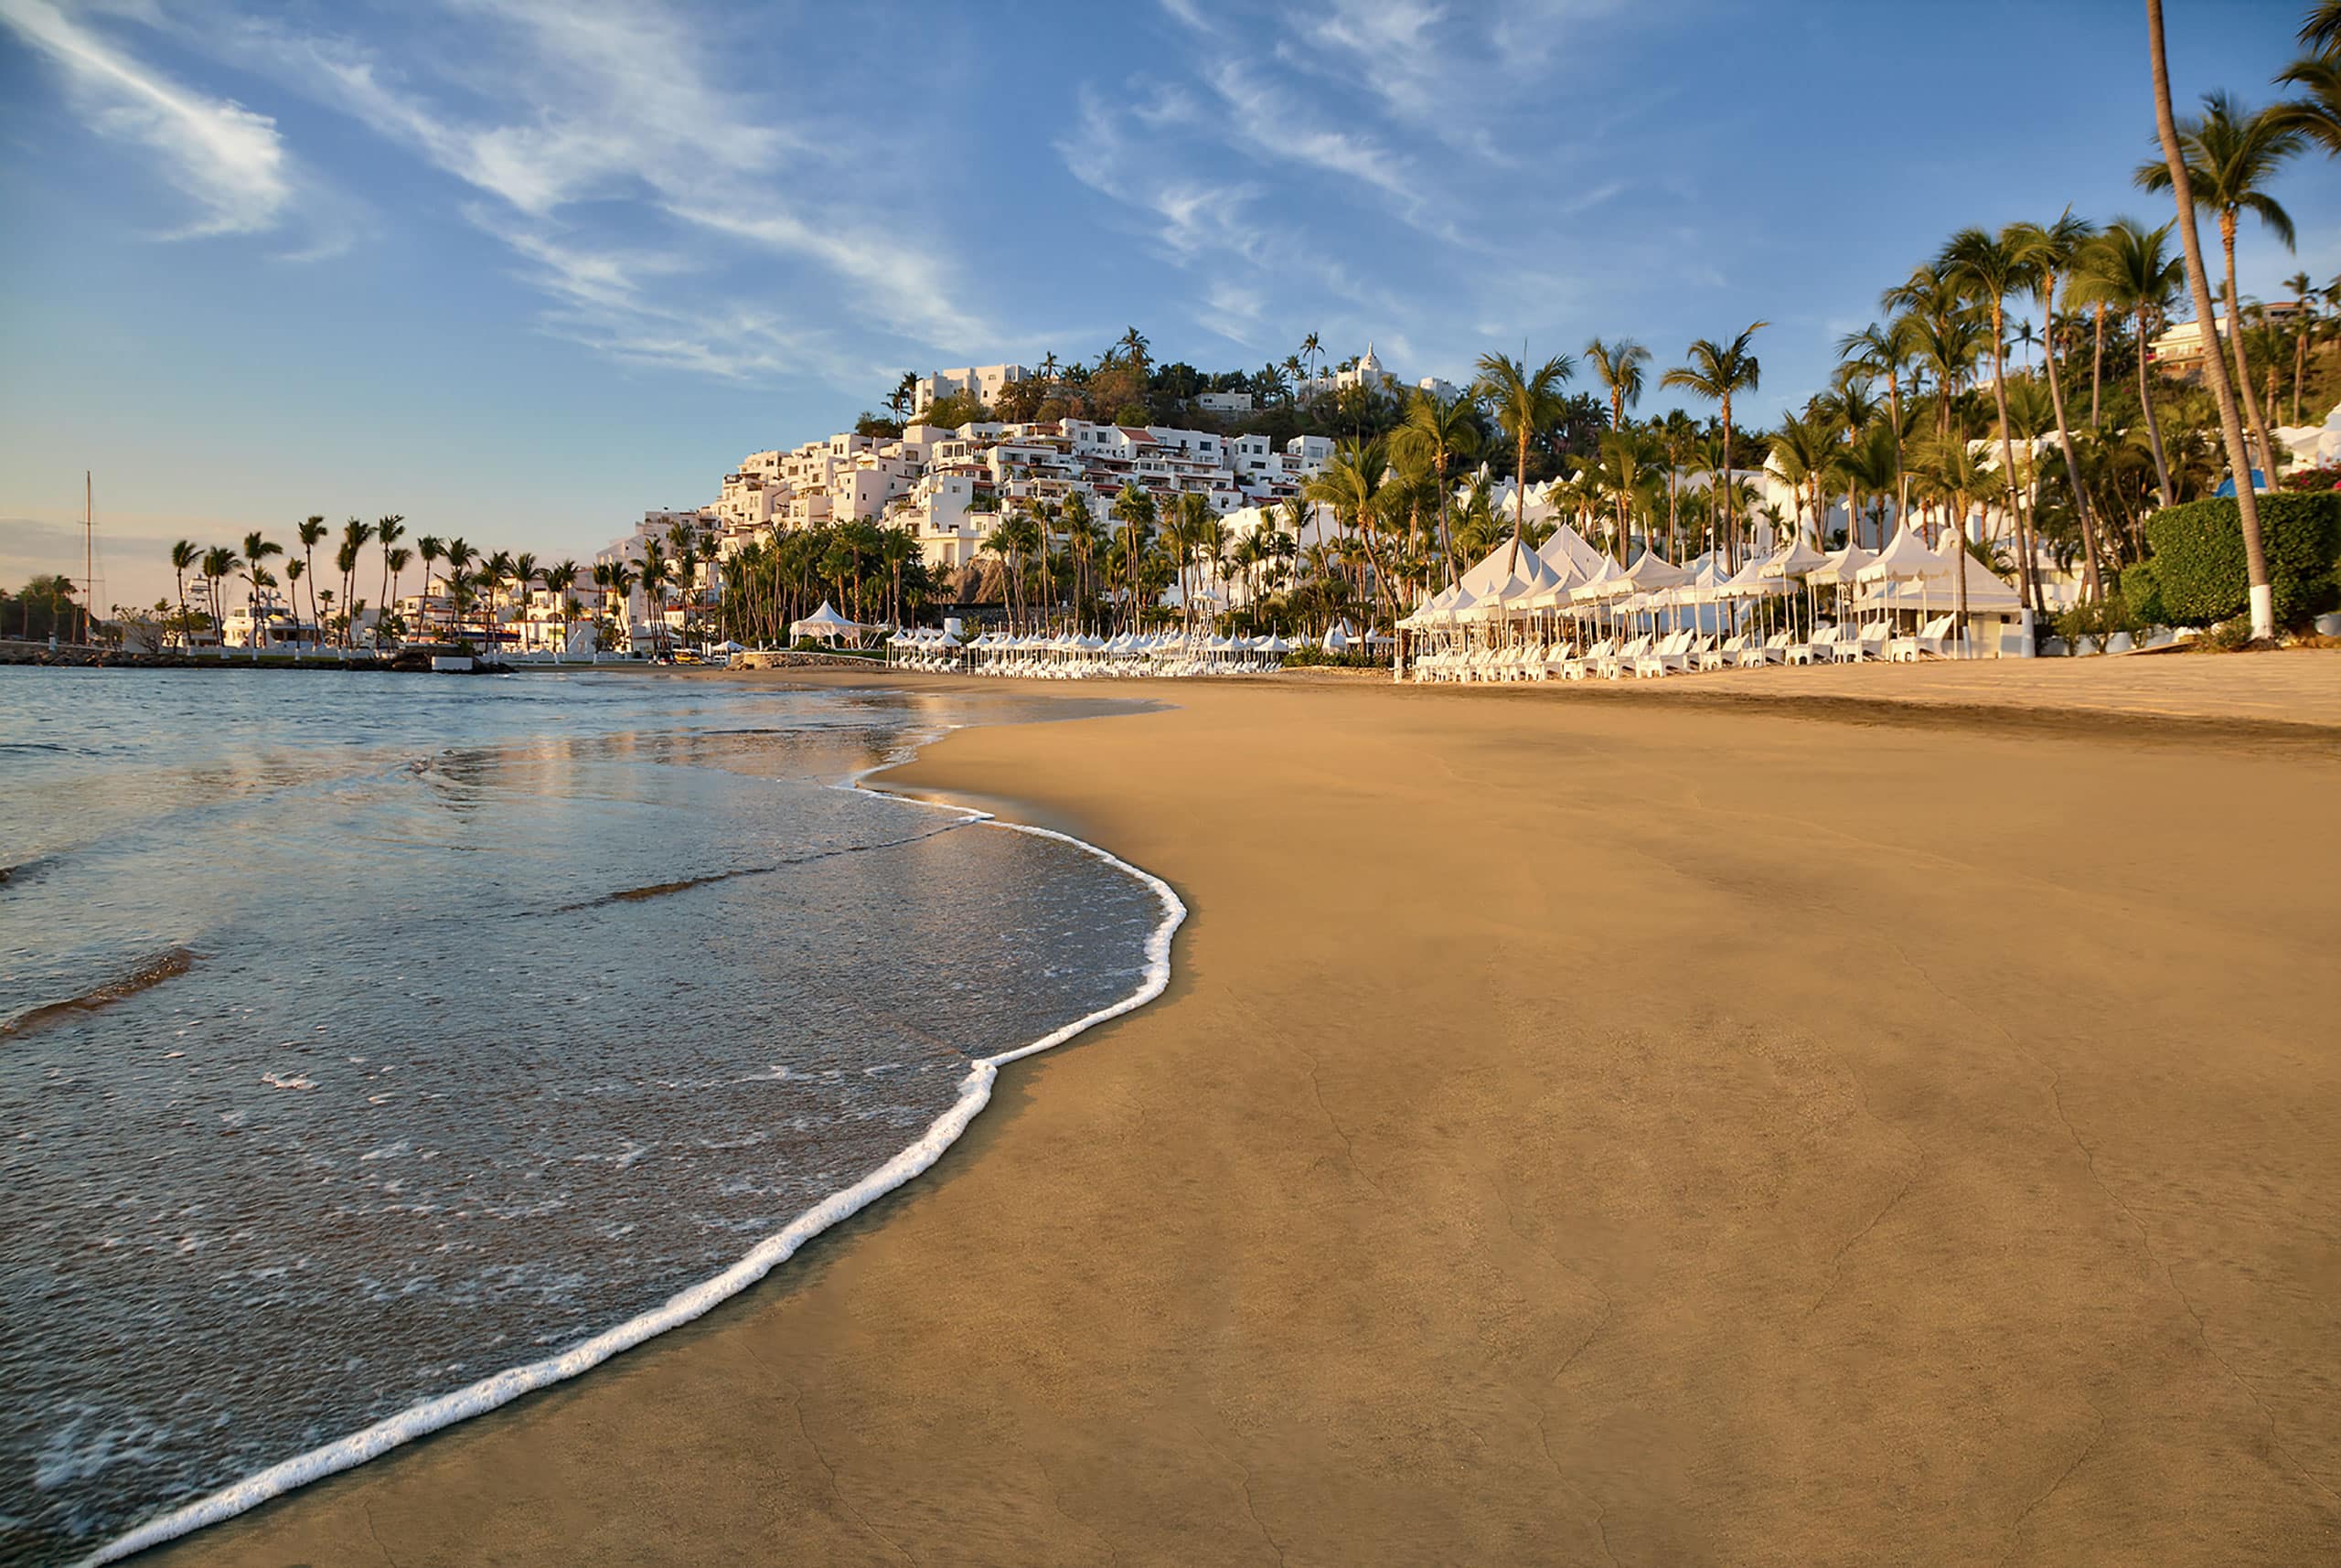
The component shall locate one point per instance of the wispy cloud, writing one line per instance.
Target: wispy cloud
(227, 160)
(567, 115)
(1281, 125)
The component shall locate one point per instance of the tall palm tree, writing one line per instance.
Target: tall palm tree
(620, 586)
(1312, 348)
(1352, 483)
(1619, 367)
(2176, 162)
(354, 535)
(312, 532)
(219, 563)
(183, 555)
(2317, 116)
(397, 559)
(429, 548)
(1715, 372)
(2052, 251)
(388, 531)
(256, 553)
(654, 590)
(2231, 158)
(2301, 289)
(2130, 269)
(560, 577)
(1525, 402)
(1436, 433)
(1990, 269)
(1883, 351)
(1803, 449)
(458, 555)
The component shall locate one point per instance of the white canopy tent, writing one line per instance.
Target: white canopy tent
(824, 624)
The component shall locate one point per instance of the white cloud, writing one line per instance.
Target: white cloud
(227, 159)
(555, 110)
(1280, 125)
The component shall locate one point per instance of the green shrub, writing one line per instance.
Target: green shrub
(2227, 636)
(1348, 659)
(2198, 557)
(2092, 620)
(2142, 594)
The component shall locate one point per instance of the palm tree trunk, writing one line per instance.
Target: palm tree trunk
(2198, 282)
(2153, 426)
(1518, 500)
(1901, 480)
(2300, 357)
(2242, 364)
(1722, 512)
(2096, 365)
(2072, 466)
(1447, 549)
(2024, 585)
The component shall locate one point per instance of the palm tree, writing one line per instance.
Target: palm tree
(654, 585)
(219, 563)
(2130, 269)
(2052, 252)
(2316, 117)
(1352, 483)
(1312, 348)
(354, 535)
(397, 561)
(388, 531)
(1803, 449)
(1620, 369)
(1525, 402)
(312, 533)
(1623, 472)
(560, 578)
(183, 555)
(1715, 372)
(429, 548)
(2300, 288)
(256, 552)
(458, 555)
(620, 585)
(2231, 158)
(1990, 269)
(2177, 162)
(1883, 351)
(1436, 433)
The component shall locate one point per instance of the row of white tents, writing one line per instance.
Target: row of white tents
(1567, 593)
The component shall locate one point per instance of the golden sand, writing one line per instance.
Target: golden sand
(1579, 1130)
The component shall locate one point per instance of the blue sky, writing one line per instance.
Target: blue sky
(519, 269)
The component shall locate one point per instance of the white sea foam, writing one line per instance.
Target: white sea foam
(420, 1420)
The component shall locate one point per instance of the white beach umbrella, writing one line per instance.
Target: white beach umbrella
(1905, 556)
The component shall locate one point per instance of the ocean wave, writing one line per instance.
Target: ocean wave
(167, 964)
(974, 1093)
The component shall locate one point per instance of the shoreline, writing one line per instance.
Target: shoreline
(1576, 1127)
(695, 1300)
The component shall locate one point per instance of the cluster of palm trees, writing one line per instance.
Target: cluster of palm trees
(476, 586)
(867, 570)
(215, 569)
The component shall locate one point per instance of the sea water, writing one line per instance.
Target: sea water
(363, 1037)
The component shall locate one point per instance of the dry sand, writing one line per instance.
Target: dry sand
(1578, 1131)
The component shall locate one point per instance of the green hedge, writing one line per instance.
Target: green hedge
(2142, 594)
(2198, 558)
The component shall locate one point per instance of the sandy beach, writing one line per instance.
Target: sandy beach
(1633, 1128)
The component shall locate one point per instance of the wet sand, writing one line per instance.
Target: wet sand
(1578, 1131)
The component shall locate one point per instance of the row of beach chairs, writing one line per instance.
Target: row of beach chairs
(1652, 656)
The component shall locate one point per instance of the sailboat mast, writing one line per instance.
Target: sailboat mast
(89, 556)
